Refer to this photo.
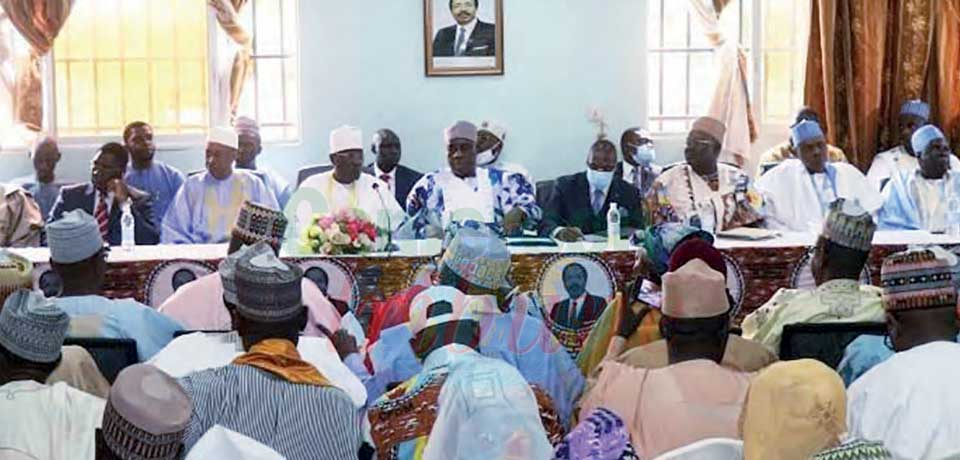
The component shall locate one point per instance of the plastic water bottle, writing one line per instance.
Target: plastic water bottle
(613, 224)
(127, 234)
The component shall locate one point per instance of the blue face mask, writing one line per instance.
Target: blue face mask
(645, 155)
(600, 180)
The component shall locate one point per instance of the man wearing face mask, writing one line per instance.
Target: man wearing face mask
(637, 167)
(797, 194)
(490, 142)
(702, 192)
(463, 192)
(579, 203)
(786, 150)
(386, 167)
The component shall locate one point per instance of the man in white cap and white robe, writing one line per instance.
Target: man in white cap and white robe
(207, 205)
(491, 137)
(345, 187)
(462, 191)
(798, 192)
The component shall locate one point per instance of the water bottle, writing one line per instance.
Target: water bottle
(613, 224)
(128, 240)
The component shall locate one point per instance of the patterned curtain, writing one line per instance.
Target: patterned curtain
(865, 58)
(947, 66)
(227, 12)
(731, 98)
(39, 22)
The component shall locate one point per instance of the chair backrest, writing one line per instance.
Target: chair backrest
(111, 355)
(707, 449)
(824, 342)
(308, 171)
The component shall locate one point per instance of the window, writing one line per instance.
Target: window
(682, 69)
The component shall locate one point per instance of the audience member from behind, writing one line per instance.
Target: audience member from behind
(693, 398)
(159, 179)
(908, 402)
(146, 417)
(838, 261)
(50, 422)
(270, 393)
(796, 410)
(79, 256)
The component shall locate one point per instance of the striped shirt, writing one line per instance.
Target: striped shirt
(298, 421)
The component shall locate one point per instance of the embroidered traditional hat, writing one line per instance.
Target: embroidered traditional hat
(256, 223)
(711, 126)
(805, 131)
(268, 289)
(146, 415)
(33, 327)
(849, 225)
(438, 305)
(919, 278)
(858, 450)
(922, 138)
(601, 436)
(74, 238)
(16, 273)
(223, 136)
(499, 131)
(346, 138)
(694, 291)
(916, 107)
(478, 257)
(228, 269)
(460, 130)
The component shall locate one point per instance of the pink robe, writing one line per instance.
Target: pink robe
(199, 306)
(673, 406)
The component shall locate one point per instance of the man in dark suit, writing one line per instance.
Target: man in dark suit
(387, 150)
(104, 195)
(582, 308)
(470, 37)
(578, 204)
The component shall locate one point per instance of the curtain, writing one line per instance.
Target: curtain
(227, 12)
(39, 22)
(731, 98)
(947, 66)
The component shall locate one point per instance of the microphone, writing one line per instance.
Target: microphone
(383, 204)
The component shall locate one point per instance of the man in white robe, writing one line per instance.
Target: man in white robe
(919, 200)
(345, 187)
(491, 138)
(914, 114)
(207, 205)
(798, 192)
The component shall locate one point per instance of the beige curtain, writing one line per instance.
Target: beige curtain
(227, 12)
(39, 22)
(731, 97)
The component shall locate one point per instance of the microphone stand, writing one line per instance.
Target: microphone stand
(383, 204)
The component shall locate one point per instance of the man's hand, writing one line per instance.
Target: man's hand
(513, 222)
(569, 235)
(119, 189)
(345, 344)
(629, 321)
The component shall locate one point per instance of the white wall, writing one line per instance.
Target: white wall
(362, 64)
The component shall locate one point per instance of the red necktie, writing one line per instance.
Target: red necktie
(386, 179)
(103, 219)
(573, 313)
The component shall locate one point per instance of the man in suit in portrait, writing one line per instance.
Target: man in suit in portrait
(387, 151)
(469, 37)
(578, 204)
(582, 308)
(104, 196)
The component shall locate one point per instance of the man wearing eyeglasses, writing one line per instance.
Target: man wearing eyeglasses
(346, 188)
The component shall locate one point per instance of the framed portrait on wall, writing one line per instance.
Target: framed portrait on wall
(463, 37)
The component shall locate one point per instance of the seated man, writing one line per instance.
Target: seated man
(919, 200)
(702, 192)
(199, 305)
(21, 222)
(250, 147)
(398, 178)
(79, 257)
(579, 202)
(786, 150)
(838, 259)
(797, 193)
(903, 159)
(346, 187)
(461, 402)
(104, 197)
(491, 139)
(695, 397)
(208, 203)
(905, 402)
(639, 153)
(159, 179)
(43, 183)
(146, 417)
(464, 192)
(50, 422)
(270, 393)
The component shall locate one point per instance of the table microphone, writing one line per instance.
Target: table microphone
(383, 203)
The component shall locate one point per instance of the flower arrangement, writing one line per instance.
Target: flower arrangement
(344, 232)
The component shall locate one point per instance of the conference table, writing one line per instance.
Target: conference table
(755, 269)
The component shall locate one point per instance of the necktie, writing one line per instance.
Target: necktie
(597, 201)
(636, 179)
(458, 47)
(573, 313)
(386, 180)
(103, 219)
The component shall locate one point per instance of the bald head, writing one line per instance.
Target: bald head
(46, 155)
(386, 146)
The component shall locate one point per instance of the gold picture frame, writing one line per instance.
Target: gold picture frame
(480, 51)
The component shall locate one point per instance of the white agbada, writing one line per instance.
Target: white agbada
(909, 403)
(200, 351)
(49, 422)
(221, 443)
(795, 200)
(896, 161)
(321, 194)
